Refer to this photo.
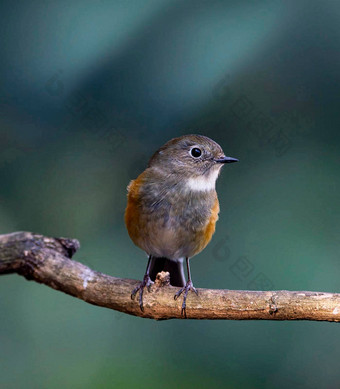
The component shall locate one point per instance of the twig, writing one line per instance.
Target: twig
(48, 261)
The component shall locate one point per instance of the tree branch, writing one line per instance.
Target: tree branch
(48, 261)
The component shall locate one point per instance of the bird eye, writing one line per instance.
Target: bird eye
(196, 152)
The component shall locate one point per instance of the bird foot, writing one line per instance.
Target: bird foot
(188, 286)
(145, 283)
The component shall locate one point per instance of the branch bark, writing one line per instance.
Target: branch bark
(48, 261)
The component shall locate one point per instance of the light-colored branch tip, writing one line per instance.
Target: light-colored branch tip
(48, 261)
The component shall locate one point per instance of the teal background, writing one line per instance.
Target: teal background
(88, 91)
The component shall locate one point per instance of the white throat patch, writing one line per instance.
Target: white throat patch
(203, 183)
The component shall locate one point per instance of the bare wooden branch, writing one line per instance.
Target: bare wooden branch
(48, 261)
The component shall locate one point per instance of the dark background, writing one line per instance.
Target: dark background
(89, 90)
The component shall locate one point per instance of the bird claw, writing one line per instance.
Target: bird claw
(145, 283)
(188, 286)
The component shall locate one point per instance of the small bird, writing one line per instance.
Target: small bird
(173, 207)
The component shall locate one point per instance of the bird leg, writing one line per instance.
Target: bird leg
(145, 283)
(188, 286)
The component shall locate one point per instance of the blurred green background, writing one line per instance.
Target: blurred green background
(88, 91)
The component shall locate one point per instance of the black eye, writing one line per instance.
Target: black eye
(196, 152)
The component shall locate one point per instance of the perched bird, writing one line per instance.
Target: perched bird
(172, 208)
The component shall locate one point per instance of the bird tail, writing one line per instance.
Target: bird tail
(175, 268)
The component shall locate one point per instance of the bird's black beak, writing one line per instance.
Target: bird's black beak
(225, 160)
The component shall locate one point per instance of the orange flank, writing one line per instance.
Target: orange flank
(207, 234)
(132, 219)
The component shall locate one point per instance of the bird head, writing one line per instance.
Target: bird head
(195, 159)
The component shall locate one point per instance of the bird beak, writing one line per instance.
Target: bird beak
(225, 160)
